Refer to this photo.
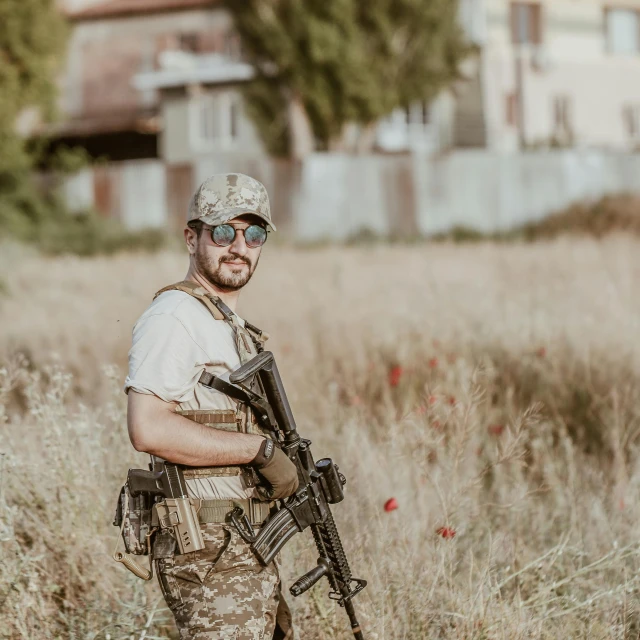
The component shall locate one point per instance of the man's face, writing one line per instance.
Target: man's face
(228, 268)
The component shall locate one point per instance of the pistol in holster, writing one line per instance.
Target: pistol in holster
(153, 500)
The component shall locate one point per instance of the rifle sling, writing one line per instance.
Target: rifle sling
(214, 382)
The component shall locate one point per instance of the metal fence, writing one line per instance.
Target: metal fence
(331, 196)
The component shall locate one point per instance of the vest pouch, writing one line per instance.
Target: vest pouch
(133, 516)
(223, 419)
(226, 420)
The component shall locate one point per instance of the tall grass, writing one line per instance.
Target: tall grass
(491, 390)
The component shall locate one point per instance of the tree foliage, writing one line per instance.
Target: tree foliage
(32, 43)
(346, 60)
(32, 40)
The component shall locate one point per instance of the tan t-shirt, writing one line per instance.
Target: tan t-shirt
(174, 341)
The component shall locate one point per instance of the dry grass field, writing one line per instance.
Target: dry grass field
(493, 391)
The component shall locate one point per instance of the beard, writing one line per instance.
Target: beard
(225, 277)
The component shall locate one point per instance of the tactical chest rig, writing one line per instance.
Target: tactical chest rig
(141, 512)
(249, 342)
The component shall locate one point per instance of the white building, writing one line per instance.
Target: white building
(561, 73)
(551, 73)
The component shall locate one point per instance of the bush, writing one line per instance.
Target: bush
(86, 234)
(610, 214)
(42, 219)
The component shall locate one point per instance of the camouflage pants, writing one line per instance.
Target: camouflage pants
(223, 592)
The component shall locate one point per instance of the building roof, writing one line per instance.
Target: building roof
(126, 8)
(207, 69)
(142, 121)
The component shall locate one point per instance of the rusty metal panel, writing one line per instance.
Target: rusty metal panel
(400, 196)
(180, 187)
(103, 196)
(283, 192)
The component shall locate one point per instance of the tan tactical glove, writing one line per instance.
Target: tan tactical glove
(275, 467)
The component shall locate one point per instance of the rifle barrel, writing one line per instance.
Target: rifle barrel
(355, 625)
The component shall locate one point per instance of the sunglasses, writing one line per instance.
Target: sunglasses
(224, 235)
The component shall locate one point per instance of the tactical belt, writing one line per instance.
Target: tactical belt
(217, 511)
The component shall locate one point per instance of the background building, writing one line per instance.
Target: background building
(553, 73)
(157, 83)
(160, 79)
(562, 73)
(138, 69)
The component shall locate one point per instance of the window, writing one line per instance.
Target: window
(214, 120)
(562, 134)
(512, 110)
(418, 113)
(622, 27)
(526, 23)
(232, 46)
(234, 117)
(562, 114)
(631, 119)
(189, 42)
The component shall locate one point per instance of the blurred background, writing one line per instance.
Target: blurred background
(452, 294)
(400, 120)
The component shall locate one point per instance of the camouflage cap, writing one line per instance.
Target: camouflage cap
(225, 196)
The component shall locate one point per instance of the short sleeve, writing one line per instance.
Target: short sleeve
(164, 359)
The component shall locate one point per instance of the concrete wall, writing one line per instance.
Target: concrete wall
(332, 196)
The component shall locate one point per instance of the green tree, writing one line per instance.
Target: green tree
(343, 61)
(32, 41)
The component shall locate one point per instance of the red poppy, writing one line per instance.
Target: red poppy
(446, 532)
(451, 400)
(433, 399)
(390, 505)
(496, 429)
(395, 373)
(433, 363)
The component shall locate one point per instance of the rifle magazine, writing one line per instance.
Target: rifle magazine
(275, 533)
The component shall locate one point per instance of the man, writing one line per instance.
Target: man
(221, 591)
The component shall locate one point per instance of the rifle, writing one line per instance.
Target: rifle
(258, 384)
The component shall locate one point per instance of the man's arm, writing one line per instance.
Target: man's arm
(155, 428)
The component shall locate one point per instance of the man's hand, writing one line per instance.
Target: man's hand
(276, 468)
